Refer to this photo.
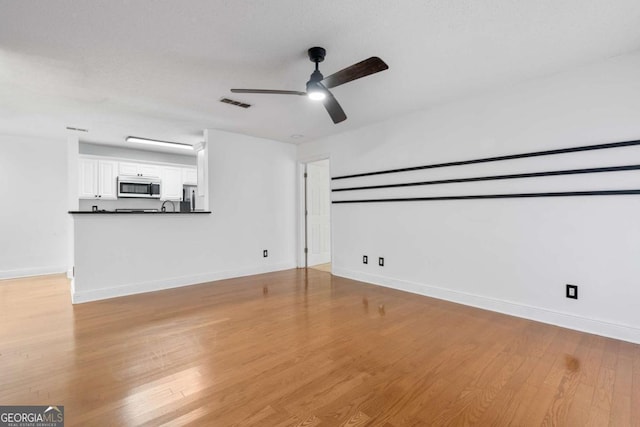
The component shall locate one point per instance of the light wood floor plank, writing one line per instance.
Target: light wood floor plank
(302, 348)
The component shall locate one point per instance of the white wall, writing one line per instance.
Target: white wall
(133, 154)
(252, 196)
(33, 207)
(513, 255)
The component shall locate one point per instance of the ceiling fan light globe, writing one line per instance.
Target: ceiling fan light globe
(316, 95)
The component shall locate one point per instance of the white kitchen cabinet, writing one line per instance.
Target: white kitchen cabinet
(107, 176)
(148, 170)
(126, 168)
(171, 188)
(88, 179)
(190, 176)
(97, 179)
(138, 169)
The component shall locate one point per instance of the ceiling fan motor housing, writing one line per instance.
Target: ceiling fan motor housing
(315, 77)
(316, 54)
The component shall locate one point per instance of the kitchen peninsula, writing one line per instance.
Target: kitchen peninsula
(133, 215)
(125, 253)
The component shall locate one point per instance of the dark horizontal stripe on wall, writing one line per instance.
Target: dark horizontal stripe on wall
(498, 158)
(498, 177)
(496, 196)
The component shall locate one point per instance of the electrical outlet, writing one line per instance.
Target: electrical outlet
(381, 262)
(572, 291)
(365, 259)
(265, 253)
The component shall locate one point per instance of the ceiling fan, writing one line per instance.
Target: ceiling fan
(318, 86)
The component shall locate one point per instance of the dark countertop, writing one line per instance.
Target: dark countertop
(138, 213)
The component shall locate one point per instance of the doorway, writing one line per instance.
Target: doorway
(317, 191)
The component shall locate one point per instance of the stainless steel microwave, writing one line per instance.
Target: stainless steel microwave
(146, 187)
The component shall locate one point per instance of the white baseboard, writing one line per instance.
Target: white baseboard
(29, 272)
(174, 282)
(567, 320)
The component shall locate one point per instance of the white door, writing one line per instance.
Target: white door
(318, 213)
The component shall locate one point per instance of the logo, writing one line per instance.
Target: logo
(32, 416)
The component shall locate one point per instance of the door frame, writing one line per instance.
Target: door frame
(302, 237)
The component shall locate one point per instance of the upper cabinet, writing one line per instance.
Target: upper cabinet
(97, 179)
(190, 176)
(148, 170)
(107, 175)
(171, 188)
(138, 169)
(88, 179)
(126, 168)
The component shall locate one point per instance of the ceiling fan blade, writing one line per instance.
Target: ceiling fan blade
(361, 69)
(268, 91)
(333, 108)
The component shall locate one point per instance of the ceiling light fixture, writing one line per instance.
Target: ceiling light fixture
(316, 95)
(167, 144)
(315, 92)
(318, 86)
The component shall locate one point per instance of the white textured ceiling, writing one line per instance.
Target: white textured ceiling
(157, 68)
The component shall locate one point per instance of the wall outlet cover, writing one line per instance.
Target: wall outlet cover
(365, 259)
(381, 262)
(572, 291)
(265, 253)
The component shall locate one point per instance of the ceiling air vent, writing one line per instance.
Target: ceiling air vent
(236, 103)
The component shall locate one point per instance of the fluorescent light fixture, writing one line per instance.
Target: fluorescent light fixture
(167, 144)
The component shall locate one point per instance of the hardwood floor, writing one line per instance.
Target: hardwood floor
(302, 348)
(322, 267)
